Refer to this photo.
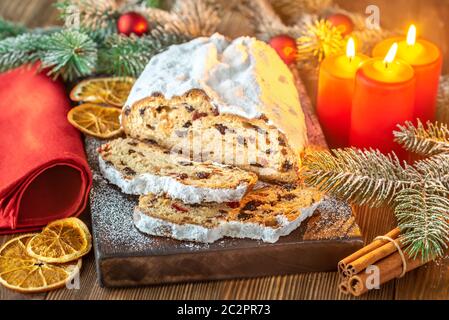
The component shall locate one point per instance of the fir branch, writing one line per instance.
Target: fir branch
(69, 53)
(264, 20)
(292, 10)
(363, 177)
(194, 18)
(128, 56)
(422, 213)
(20, 50)
(435, 169)
(153, 3)
(89, 14)
(432, 140)
(10, 29)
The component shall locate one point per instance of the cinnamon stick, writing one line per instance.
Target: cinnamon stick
(376, 255)
(389, 268)
(365, 256)
(344, 287)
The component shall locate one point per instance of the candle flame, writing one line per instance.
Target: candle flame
(411, 35)
(389, 58)
(350, 49)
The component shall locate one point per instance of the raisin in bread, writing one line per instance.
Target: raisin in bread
(264, 214)
(251, 94)
(141, 168)
(192, 126)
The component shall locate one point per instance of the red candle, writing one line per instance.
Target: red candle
(335, 91)
(426, 60)
(384, 96)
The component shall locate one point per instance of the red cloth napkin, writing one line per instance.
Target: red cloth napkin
(44, 175)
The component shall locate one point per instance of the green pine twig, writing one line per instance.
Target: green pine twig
(427, 141)
(423, 217)
(20, 50)
(128, 56)
(10, 29)
(435, 168)
(89, 14)
(153, 3)
(363, 177)
(69, 53)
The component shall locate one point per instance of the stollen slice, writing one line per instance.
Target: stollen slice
(264, 214)
(142, 167)
(191, 120)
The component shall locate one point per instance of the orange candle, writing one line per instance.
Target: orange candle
(426, 59)
(384, 96)
(335, 91)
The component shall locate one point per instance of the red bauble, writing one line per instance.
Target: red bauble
(285, 46)
(342, 22)
(132, 22)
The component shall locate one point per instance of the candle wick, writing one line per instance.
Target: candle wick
(386, 65)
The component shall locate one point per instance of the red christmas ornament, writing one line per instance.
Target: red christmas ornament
(342, 22)
(286, 48)
(132, 22)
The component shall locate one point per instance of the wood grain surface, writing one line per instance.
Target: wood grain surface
(428, 282)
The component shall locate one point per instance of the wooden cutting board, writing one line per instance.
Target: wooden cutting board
(126, 257)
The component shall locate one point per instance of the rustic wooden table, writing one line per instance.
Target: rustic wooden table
(428, 282)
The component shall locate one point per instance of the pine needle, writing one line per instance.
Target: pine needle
(363, 177)
(17, 51)
(69, 53)
(435, 169)
(195, 18)
(264, 20)
(10, 29)
(153, 3)
(432, 140)
(128, 56)
(88, 14)
(423, 215)
(198, 18)
(292, 10)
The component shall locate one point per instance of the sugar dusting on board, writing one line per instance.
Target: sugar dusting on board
(112, 213)
(332, 216)
(115, 233)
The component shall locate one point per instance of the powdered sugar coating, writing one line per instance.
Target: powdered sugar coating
(244, 77)
(142, 184)
(233, 229)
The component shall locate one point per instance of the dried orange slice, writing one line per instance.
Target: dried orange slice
(96, 120)
(20, 272)
(61, 241)
(113, 91)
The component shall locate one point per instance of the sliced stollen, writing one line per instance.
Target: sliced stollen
(230, 101)
(264, 214)
(191, 125)
(144, 167)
